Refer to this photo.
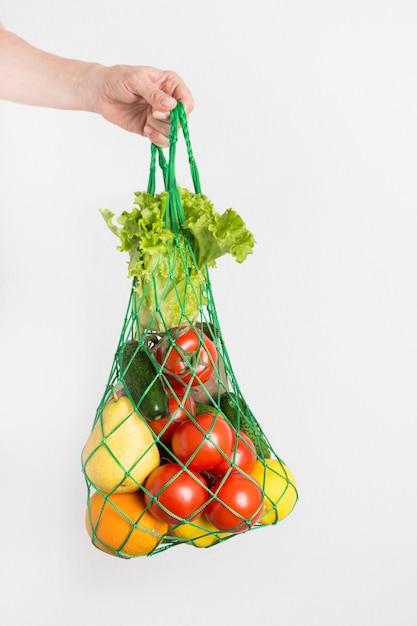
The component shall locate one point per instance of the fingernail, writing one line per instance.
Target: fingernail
(167, 101)
(160, 115)
(148, 131)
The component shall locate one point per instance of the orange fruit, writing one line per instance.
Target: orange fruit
(121, 525)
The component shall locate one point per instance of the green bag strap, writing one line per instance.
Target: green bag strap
(179, 118)
(152, 169)
(174, 214)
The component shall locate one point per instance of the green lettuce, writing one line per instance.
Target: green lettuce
(170, 270)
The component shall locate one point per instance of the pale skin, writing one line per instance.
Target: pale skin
(137, 98)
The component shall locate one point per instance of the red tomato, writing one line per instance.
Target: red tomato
(208, 434)
(175, 494)
(245, 499)
(175, 386)
(187, 355)
(179, 408)
(243, 455)
(162, 429)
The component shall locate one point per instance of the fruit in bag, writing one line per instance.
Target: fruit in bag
(120, 451)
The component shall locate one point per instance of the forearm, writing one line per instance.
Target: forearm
(31, 76)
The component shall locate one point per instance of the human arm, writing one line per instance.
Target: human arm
(136, 98)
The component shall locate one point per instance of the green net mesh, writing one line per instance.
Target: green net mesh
(175, 454)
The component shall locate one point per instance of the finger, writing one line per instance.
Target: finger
(161, 125)
(160, 115)
(155, 136)
(188, 104)
(171, 91)
(183, 94)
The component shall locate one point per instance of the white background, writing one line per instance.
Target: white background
(305, 123)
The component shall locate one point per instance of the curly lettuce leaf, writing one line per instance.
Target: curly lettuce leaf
(213, 234)
(169, 269)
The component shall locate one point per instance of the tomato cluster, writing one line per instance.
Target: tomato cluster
(206, 463)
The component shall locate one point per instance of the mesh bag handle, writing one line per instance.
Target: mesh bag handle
(174, 214)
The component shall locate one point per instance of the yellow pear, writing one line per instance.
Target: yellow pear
(121, 450)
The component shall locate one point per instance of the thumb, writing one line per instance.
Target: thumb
(161, 101)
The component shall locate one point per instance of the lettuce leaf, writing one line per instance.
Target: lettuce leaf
(169, 270)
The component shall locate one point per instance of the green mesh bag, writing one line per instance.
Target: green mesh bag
(175, 455)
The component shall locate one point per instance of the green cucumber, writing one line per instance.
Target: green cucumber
(236, 412)
(205, 408)
(142, 382)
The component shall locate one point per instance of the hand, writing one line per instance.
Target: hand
(139, 99)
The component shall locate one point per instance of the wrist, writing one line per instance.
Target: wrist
(89, 87)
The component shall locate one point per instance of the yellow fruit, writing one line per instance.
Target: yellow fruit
(279, 487)
(200, 532)
(121, 450)
(129, 528)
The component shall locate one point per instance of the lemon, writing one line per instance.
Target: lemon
(279, 487)
(200, 532)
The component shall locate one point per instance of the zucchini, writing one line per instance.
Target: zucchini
(237, 412)
(141, 380)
